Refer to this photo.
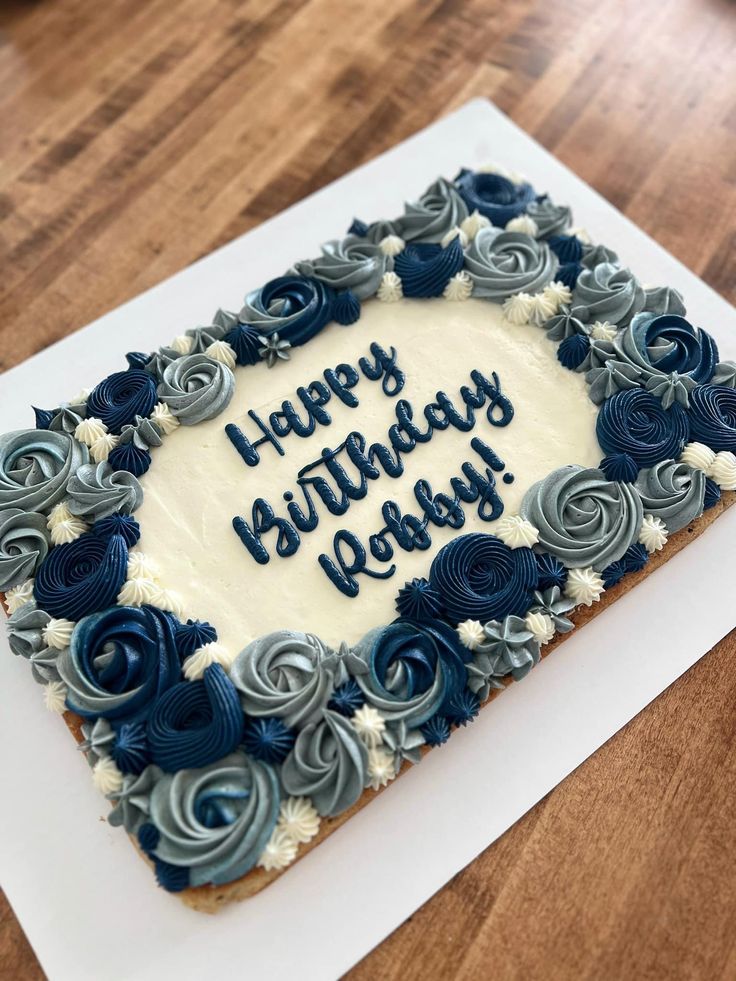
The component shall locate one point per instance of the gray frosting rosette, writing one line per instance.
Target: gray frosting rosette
(97, 491)
(133, 802)
(582, 518)
(328, 764)
(664, 299)
(503, 263)
(551, 219)
(67, 418)
(25, 637)
(283, 675)
(354, 264)
(196, 388)
(24, 544)
(607, 293)
(216, 820)
(35, 465)
(430, 218)
(673, 492)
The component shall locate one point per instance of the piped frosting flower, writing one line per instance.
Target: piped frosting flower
(543, 307)
(170, 601)
(182, 344)
(558, 293)
(164, 419)
(698, 456)
(455, 232)
(221, 351)
(523, 223)
(391, 245)
(653, 533)
(473, 224)
(138, 591)
(140, 566)
(470, 633)
(54, 696)
(106, 776)
(370, 725)
(540, 626)
(64, 526)
(58, 633)
(381, 768)
(19, 595)
(390, 290)
(584, 586)
(516, 532)
(103, 447)
(196, 664)
(459, 287)
(723, 470)
(280, 851)
(517, 309)
(90, 430)
(299, 819)
(603, 331)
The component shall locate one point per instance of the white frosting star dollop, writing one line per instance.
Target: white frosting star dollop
(524, 224)
(470, 633)
(390, 290)
(137, 591)
(460, 287)
(140, 566)
(90, 430)
(221, 351)
(558, 293)
(299, 818)
(473, 224)
(164, 418)
(543, 306)
(392, 245)
(213, 653)
(603, 331)
(517, 308)
(381, 768)
(54, 696)
(698, 456)
(64, 526)
(106, 776)
(182, 344)
(19, 595)
(103, 447)
(723, 470)
(280, 851)
(454, 233)
(58, 633)
(584, 586)
(516, 532)
(369, 724)
(653, 533)
(541, 626)
(170, 601)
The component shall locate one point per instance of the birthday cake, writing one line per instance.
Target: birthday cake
(264, 568)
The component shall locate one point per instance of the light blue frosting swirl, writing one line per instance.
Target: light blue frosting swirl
(24, 544)
(551, 219)
(97, 491)
(196, 388)
(328, 764)
(430, 218)
(582, 518)
(215, 820)
(352, 263)
(283, 675)
(607, 293)
(673, 492)
(25, 630)
(35, 465)
(503, 263)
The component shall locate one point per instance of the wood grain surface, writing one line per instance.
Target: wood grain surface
(136, 137)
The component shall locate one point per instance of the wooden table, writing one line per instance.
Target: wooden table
(136, 137)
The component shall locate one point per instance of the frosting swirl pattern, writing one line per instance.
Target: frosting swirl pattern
(328, 764)
(426, 269)
(215, 820)
(196, 388)
(607, 293)
(120, 662)
(24, 544)
(294, 307)
(635, 422)
(82, 577)
(550, 218)
(283, 675)
(430, 218)
(503, 263)
(713, 416)
(673, 492)
(121, 397)
(494, 196)
(480, 578)
(353, 263)
(35, 466)
(97, 491)
(583, 519)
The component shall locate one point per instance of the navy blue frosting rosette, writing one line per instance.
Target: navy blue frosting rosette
(481, 578)
(425, 268)
(120, 662)
(121, 397)
(636, 423)
(494, 196)
(83, 576)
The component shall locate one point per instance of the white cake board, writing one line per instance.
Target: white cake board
(89, 905)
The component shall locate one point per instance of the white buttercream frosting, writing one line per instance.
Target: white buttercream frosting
(390, 290)
(142, 566)
(723, 470)
(473, 224)
(54, 697)
(106, 776)
(541, 626)
(523, 223)
(603, 331)
(460, 287)
(470, 633)
(698, 456)
(221, 351)
(90, 430)
(213, 653)
(64, 526)
(103, 447)
(170, 601)
(369, 724)
(182, 344)
(558, 293)
(137, 591)
(543, 306)
(299, 818)
(19, 595)
(164, 418)
(584, 586)
(516, 532)
(454, 233)
(653, 533)
(280, 851)
(381, 767)
(517, 309)
(58, 633)
(392, 245)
